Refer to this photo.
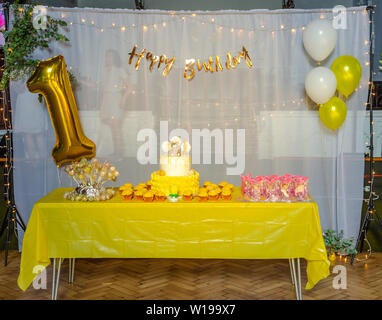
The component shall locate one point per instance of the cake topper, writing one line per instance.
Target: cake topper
(175, 147)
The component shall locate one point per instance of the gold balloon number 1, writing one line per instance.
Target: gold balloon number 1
(51, 80)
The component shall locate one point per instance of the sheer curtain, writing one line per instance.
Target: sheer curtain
(283, 133)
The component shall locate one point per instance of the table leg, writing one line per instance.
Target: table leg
(71, 269)
(299, 278)
(291, 271)
(295, 279)
(57, 279)
(53, 277)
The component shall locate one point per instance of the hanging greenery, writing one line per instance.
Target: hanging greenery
(23, 39)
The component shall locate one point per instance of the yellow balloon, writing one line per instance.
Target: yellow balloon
(51, 79)
(333, 113)
(348, 72)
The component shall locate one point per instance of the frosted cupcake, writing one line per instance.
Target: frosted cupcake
(226, 189)
(223, 184)
(187, 195)
(148, 184)
(148, 196)
(140, 186)
(212, 186)
(203, 195)
(160, 196)
(204, 189)
(207, 183)
(213, 195)
(231, 186)
(126, 186)
(138, 195)
(226, 194)
(127, 194)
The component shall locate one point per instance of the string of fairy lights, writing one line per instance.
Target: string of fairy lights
(207, 19)
(195, 17)
(369, 104)
(12, 217)
(5, 112)
(8, 154)
(200, 19)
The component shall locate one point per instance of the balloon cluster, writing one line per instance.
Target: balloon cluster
(90, 176)
(321, 83)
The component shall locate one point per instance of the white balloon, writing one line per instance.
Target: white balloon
(320, 84)
(319, 39)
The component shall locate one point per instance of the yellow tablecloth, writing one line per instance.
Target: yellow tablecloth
(60, 228)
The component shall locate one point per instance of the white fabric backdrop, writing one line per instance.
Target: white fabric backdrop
(283, 130)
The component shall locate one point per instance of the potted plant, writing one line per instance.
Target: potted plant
(336, 245)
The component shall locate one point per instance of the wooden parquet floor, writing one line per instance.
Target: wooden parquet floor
(192, 279)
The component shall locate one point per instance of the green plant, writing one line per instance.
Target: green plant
(23, 39)
(380, 63)
(335, 243)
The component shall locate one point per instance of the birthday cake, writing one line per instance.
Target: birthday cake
(175, 169)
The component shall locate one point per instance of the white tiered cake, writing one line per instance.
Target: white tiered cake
(175, 168)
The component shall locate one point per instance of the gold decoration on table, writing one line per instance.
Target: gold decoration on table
(51, 79)
(90, 176)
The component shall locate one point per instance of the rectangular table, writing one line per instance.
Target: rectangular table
(236, 229)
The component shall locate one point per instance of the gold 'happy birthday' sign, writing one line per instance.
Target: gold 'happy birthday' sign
(213, 65)
(168, 63)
